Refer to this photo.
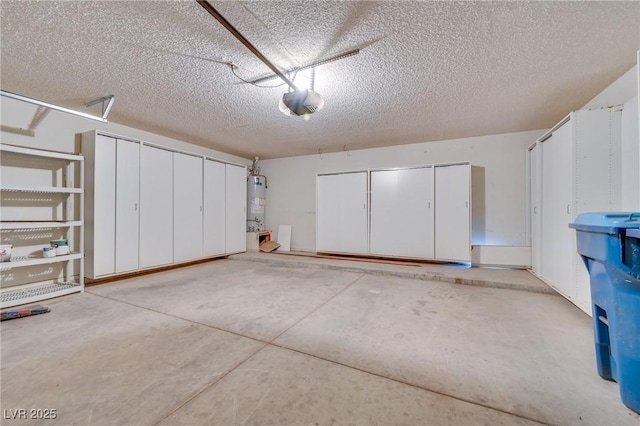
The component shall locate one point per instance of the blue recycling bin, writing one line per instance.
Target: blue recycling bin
(609, 244)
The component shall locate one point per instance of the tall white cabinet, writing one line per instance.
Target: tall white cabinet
(402, 212)
(127, 205)
(342, 213)
(112, 204)
(156, 207)
(453, 212)
(575, 168)
(148, 206)
(235, 208)
(187, 207)
(214, 220)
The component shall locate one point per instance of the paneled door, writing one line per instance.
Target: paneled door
(402, 212)
(214, 208)
(452, 212)
(342, 213)
(187, 207)
(236, 208)
(556, 252)
(156, 207)
(127, 206)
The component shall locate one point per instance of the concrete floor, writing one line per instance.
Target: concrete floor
(266, 339)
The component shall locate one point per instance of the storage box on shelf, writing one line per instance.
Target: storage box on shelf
(42, 200)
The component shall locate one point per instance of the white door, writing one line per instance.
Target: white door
(556, 262)
(452, 212)
(327, 233)
(235, 208)
(342, 213)
(104, 212)
(127, 205)
(214, 208)
(156, 207)
(402, 212)
(353, 223)
(187, 207)
(535, 213)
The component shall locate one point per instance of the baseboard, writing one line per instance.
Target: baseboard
(504, 256)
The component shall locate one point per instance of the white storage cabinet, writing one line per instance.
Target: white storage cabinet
(575, 168)
(453, 212)
(235, 208)
(112, 204)
(42, 200)
(214, 222)
(402, 213)
(342, 213)
(187, 207)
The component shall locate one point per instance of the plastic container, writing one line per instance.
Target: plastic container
(5, 252)
(48, 251)
(609, 244)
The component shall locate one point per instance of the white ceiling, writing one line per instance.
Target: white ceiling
(427, 70)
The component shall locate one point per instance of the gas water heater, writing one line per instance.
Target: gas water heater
(256, 198)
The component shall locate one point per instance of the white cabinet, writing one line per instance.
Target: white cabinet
(579, 162)
(112, 204)
(187, 207)
(42, 200)
(556, 211)
(342, 213)
(453, 212)
(214, 234)
(535, 206)
(149, 206)
(235, 208)
(156, 207)
(402, 213)
(100, 241)
(127, 205)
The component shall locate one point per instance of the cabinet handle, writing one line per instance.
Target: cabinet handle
(568, 208)
(535, 210)
(135, 207)
(429, 204)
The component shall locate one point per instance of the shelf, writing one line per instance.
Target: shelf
(29, 293)
(20, 261)
(40, 153)
(42, 189)
(39, 225)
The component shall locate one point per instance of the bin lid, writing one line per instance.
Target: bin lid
(609, 223)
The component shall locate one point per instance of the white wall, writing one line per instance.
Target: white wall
(57, 131)
(291, 192)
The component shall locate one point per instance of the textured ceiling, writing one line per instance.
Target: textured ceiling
(427, 70)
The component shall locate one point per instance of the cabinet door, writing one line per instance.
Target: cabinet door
(327, 236)
(556, 261)
(214, 208)
(535, 163)
(127, 205)
(156, 207)
(235, 208)
(342, 213)
(452, 212)
(402, 213)
(187, 207)
(103, 223)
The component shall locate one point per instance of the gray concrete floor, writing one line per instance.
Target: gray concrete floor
(267, 339)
